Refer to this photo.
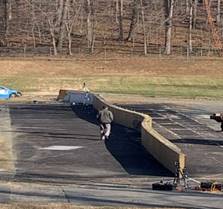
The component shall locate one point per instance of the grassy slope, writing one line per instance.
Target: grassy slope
(129, 75)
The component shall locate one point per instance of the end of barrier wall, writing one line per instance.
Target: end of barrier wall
(62, 94)
(164, 151)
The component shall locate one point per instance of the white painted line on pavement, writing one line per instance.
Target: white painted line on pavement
(194, 180)
(170, 116)
(203, 116)
(61, 148)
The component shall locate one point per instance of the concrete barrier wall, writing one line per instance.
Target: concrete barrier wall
(159, 147)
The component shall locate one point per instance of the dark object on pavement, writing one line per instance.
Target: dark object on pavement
(211, 186)
(167, 186)
(219, 118)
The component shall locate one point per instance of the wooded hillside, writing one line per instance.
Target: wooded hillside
(52, 27)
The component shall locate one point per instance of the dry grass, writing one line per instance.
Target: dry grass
(147, 76)
(114, 65)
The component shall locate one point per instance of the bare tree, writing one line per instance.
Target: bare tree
(169, 7)
(63, 16)
(144, 27)
(187, 6)
(194, 14)
(61, 25)
(72, 19)
(52, 29)
(134, 17)
(189, 48)
(90, 24)
(53, 18)
(219, 12)
(6, 16)
(120, 19)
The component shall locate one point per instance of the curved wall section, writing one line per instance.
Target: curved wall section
(123, 116)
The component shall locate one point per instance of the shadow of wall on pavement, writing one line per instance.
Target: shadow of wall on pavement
(125, 146)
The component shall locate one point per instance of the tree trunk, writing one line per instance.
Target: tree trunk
(116, 11)
(62, 31)
(120, 20)
(187, 6)
(69, 44)
(194, 15)
(69, 27)
(33, 24)
(52, 33)
(54, 44)
(6, 17)
(219, 13)
(144, 27)
(90, 25)
(9, 9)
(135, 11)
(60, 7)
(189, 49)
(169, 7)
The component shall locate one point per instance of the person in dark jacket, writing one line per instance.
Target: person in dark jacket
(105, 118)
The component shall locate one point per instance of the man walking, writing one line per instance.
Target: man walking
(105, 117)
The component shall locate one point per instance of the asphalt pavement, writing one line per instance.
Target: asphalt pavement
(116, 195)
(59, 157)
(56, 142)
